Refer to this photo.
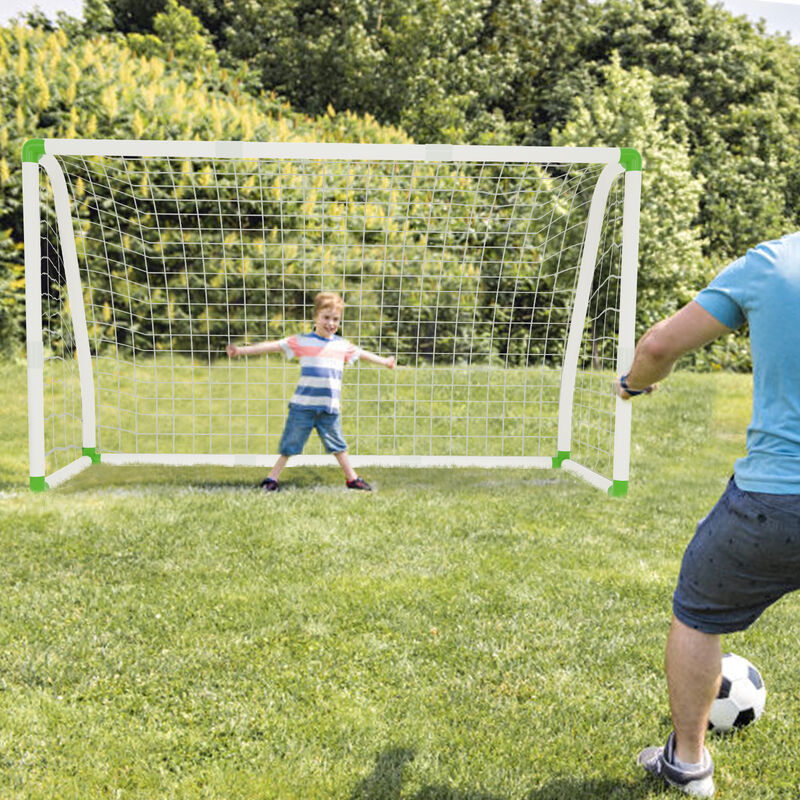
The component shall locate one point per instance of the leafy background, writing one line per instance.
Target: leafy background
(711, 101)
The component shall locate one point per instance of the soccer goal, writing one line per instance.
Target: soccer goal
(503, 280)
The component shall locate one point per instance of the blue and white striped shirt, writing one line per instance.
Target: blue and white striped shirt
(321, 368)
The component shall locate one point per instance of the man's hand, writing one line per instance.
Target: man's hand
(232, 350)
(390, 363)
(627, 395)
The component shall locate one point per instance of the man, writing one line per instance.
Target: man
(745, 554)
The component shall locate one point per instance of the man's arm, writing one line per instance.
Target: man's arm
(659, 349)
(253, 349)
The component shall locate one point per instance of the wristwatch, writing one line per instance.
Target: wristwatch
(623, 382)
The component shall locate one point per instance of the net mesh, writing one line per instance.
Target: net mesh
(466, 272)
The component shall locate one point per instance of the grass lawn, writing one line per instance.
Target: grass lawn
(457, 635)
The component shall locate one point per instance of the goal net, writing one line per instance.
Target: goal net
(502, 279)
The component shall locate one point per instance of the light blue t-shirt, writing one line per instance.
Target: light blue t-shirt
(763, 288)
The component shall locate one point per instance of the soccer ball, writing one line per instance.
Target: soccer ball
(741, 695)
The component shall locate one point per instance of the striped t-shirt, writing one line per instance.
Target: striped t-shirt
(321, 367)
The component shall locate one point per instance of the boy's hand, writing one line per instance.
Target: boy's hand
(232, 350)
(390, 363)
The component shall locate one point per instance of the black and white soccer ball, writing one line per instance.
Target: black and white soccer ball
(741, 697)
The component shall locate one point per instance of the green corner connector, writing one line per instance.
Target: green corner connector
(33, 150)
(38, 484)
(618, 489)
(562, 456)
(630, 159)
(92, 453)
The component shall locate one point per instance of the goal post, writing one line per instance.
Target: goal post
(502, 279)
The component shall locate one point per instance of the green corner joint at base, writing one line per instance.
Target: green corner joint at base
(618, 489)
(562, 456)
(38, 483)
(92, 453)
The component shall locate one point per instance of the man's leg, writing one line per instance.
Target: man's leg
(693, 677)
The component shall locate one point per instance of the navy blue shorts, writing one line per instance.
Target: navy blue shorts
(300, 423)
(744, 557)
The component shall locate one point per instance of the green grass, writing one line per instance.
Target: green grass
(172, 405)
(458, 635)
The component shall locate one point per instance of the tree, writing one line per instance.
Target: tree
(177, 34)
(555, 45)
(443, 69)
(737, 93)
(135, 16)
(97, 17)
(621, 110)
(55, 85)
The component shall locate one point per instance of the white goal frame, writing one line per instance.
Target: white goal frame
(43, 156)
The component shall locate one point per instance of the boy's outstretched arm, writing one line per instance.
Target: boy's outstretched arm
(253, 349)
(373, 358)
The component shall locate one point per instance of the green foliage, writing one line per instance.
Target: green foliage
(178, 34)
(735, 93)
(473, 289)
(97, 17)
(12, 289)
(99, 87)
(556, 46)
(730, 96)
(438, 68)
(149, 86)
(620, 111)
(725, 96)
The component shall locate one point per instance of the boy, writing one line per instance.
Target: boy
(315, 403)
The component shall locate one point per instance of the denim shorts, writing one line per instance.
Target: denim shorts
(299, 425)
(745, 555)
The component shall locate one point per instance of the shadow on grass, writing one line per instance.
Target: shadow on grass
(305, 478)
(385, 782)
(139, 477)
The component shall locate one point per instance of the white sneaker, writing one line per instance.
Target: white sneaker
(658, 761)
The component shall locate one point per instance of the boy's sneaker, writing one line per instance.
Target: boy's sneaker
(659, 761)
(270, 485)
(359, 483)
